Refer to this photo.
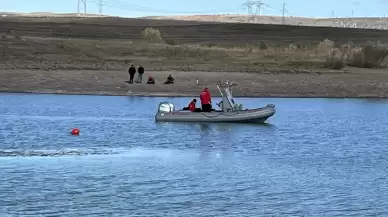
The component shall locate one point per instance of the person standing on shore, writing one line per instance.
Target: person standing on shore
(132, 72)
(140, 72)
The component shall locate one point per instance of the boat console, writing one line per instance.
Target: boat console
(227, 103)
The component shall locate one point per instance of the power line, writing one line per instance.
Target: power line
(132, 7)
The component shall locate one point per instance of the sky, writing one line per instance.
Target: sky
(133, 8)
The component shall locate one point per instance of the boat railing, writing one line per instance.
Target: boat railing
(226, 92)
(227, 95)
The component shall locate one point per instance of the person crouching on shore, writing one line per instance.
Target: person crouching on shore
(151, 80)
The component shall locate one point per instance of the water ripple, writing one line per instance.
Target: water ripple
(317, 157)
(42, 153)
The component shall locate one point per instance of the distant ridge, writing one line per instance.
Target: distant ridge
(48, 14)
(303, 21)
(351, 22)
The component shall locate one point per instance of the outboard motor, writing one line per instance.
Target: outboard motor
(166, 107)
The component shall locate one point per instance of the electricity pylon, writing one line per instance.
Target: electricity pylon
(254, 8)
(82, 8)
(100, 7)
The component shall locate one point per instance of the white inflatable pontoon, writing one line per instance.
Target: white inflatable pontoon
(230, 111)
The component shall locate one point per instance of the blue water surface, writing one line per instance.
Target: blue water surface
(315, 157)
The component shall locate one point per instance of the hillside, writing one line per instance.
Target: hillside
(180, 31)
(110, 42)
(361, 22)
(66, 54)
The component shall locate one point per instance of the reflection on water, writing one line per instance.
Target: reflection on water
(315, 157)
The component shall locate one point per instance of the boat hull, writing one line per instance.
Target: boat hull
(259, 115)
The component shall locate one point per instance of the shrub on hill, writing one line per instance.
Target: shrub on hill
(151, 34)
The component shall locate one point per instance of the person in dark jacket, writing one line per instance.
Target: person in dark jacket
(170, 80)
(140, 72)
(132, 72)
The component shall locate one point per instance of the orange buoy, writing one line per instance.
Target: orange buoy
(75, 131)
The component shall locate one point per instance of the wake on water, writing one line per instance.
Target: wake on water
(73, 118)
(133, 152)
(138, 152)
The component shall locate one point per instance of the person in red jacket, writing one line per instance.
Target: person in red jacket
(192, 105)
(206, 100)
(151, 80)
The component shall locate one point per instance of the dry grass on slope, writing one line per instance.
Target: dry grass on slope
(158, 54)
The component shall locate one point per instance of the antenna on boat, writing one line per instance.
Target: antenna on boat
(227, 83)
(218, 83)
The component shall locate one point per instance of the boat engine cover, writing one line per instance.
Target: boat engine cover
(166, 107)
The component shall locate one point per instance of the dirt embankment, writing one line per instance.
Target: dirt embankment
(263, 85)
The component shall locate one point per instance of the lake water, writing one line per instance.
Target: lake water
(316, 157)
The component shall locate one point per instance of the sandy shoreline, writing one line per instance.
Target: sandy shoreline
(354, 84)
(177, 95)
